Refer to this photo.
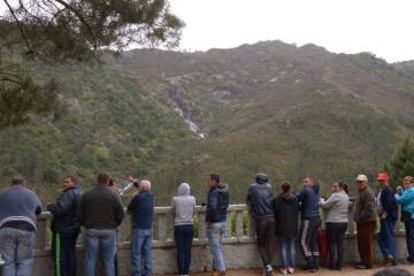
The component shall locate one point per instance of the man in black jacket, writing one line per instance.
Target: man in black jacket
(388, 214)
(259, 201)
(216, 217)
(65, 228)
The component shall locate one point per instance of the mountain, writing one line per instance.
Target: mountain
(172, 116)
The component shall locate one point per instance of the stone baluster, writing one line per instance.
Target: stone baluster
(41, 238)
(228, 227)
(202, 232)
(162, 226)
(239, 224)
(351, 225)
(250, 227)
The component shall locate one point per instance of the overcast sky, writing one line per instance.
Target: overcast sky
(384, 27)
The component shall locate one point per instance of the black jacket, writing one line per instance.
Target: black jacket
(217, 203)
(259, 199)
(286, 210)
(64, 211)
(389, 204)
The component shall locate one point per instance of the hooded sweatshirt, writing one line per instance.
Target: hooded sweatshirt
(259, 197)
(183, 205)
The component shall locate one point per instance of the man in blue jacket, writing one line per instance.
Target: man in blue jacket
(18, 227)
(405, 197)
(216, 217)
(309, 205)
(388, 213)
(65, 228)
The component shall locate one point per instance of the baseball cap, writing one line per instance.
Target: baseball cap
(362, 177)
(383, 176)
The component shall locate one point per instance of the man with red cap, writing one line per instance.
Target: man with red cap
(388, 214)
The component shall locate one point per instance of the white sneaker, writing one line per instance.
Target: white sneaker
(2, 262)
(284, 271)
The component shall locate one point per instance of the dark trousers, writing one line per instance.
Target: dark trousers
(365, 236)
(335, 233)
(265, 231)
(386, 238)
(409, 236)
(183, 235)
(64, 253)
(309, 240)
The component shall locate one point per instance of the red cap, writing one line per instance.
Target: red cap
(383, 177)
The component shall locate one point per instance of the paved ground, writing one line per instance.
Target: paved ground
(344, 272)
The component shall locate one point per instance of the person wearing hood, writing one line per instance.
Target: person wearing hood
(259, 201)
(286, 212)
(309, 203)
(183, 206)
(336, 207)
(216, 220)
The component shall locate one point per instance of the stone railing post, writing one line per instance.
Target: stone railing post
(202, 231)
(41, 235)
(351, 226)
(228, 226)
(239, 224)
(162, 225)
(250, 227)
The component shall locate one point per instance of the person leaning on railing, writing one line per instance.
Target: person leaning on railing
(141, 208)
(100, 212)
(259, 202)
(183, 207)
(216, 217)
(336, 207)
(405, 197)
(18, 227)
(65, 228)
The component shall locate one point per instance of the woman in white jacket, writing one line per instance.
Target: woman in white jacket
(183, 206)
(336, 207)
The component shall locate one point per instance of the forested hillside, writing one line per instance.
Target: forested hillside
(176, 117)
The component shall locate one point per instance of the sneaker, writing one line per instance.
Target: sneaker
(291, 270)
(284, 271)
(2, 262)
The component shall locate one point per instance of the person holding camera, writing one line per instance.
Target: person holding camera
(405, 198)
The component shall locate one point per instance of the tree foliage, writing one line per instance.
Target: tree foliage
(58, 30)
(402, 162)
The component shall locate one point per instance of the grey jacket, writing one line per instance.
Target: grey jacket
(336, 206)
(183, 206)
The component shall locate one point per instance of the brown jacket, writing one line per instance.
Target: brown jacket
(365, 209)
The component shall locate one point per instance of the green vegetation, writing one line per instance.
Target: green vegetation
(402, 162)
(268, 107)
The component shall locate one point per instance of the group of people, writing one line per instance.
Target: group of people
(99, 212)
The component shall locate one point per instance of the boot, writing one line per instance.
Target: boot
(309, 263)
(316, 263)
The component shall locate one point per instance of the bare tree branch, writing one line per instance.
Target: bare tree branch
(20, 26)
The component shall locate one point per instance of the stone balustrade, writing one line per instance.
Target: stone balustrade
(239, 243)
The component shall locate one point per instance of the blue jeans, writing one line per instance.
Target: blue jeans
(104, 239)
(287, 252)
(183, 235)
(141, 247)
(215, 233)
(17, 249)
(386, 239)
